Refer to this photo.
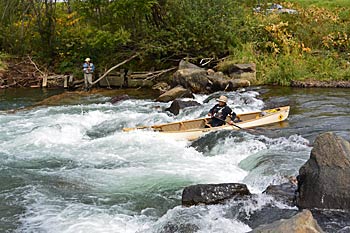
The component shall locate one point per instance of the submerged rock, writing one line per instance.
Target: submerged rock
(323, 181)
(301, 222)
(176, 105)
(179, 228)
(284, 193)
(212, 193)
(119, 98)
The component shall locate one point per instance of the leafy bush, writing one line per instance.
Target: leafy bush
(312, 44)
(196, 28)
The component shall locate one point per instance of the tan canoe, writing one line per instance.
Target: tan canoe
(193, 129)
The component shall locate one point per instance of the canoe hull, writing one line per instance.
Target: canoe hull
(193, 129)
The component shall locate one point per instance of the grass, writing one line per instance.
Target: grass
(3, 65)
(322, 3)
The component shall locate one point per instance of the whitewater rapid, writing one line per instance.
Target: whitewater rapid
(74, 170)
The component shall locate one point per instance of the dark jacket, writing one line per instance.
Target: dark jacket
(219, 114)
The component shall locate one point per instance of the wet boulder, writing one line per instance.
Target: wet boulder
(284, 192)
(177, 227)
(323, 181)
(212, 193)
(302, 222)
(263, 216)
(332, 220)
(174, 93)
(118, 98)
(176, 105)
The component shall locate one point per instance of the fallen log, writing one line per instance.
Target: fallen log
(150, 75)
(114, 67)
(160, 73)
(36, 67)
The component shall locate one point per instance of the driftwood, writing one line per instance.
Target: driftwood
(57, 76)
(114, 67)
(150, 75)
(9, 85)
(36, 67)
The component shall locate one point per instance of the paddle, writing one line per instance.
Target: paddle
(136, 128)
(234, 124)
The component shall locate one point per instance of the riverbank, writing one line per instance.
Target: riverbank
(284, 47)
(23, 73)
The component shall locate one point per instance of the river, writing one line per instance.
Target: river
(69, 167)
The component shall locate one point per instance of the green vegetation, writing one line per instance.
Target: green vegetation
(322, 3)
(313, 44)
(3, 57)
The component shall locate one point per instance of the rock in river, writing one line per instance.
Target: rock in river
(176, 105)
(300, 223)
(212, 193)
(323, 181)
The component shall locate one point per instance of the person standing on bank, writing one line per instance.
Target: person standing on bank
(220, 111)
(88, 68)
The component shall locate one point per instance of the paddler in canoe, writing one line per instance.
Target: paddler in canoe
(193, 129)
(220, 112)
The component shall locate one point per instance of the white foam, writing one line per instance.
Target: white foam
(135, 164)
(55, 215)
(204, 219)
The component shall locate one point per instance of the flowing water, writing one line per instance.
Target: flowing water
(70, 168)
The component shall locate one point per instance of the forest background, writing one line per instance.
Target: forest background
(313, 44)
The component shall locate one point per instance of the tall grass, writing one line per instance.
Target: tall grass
(322, 3)
(3, 65)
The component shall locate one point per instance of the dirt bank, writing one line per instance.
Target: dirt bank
(23, 72)
(19, 73)
(315, 83)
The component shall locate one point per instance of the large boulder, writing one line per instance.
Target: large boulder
(188, 65)
(222, 83)
(201, 81)
(323, 181)
(195, 80)
(176, 105)
(238, 71)
(300, 223)
(174, 93)
(212, 193)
